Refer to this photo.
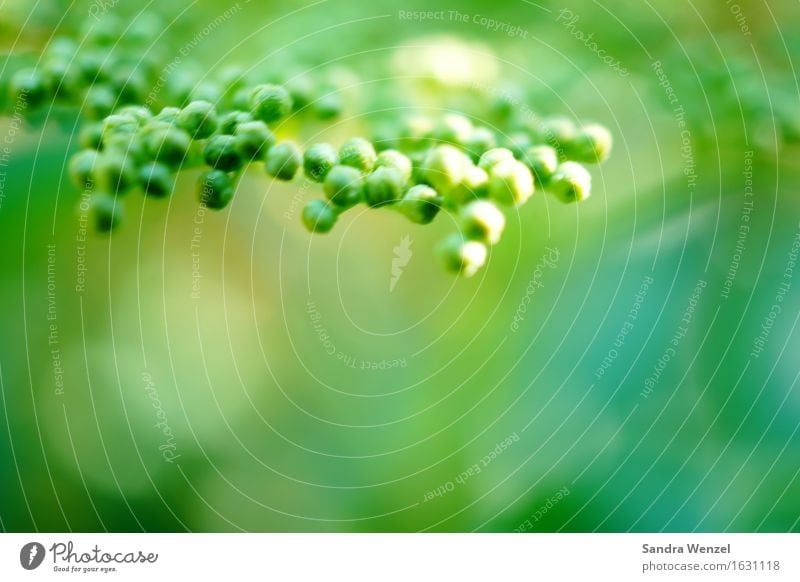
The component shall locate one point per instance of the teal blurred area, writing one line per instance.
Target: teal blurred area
(623, 365)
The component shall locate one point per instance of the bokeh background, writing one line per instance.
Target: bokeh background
(644, 387)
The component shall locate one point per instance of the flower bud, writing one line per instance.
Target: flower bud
(81, 168)
(216, 189)
(319, 216)
(318, 161)
(270, 103)
(479, 142)
(221, 152)
(99, 102)
(543, 161)
(571, 182)
(474, 185)
(482, 221)
(383, 186)
(166, 144)
(114, 172)
(284, 160)
(228, 122)
(156, 180)
(253, 140)
(510, 183)
(420, 204)
(343, 186)
(445, 167)
(396, 161)
(462, 257)
(453, 129)
(592, 144)
(494, 156)
(198, 119)
(106, 212)
(358, 153)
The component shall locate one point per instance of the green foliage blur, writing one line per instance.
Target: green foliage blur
(620, 365)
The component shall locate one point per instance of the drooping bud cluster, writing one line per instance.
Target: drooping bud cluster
(141, 130)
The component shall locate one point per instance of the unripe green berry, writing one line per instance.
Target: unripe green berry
(571, 182)
(474, 185)
(319, 216)
(494, 156)
(479, 142)
(510, 183)
(138, 113)
(270, 103)
(81, 168)
(221, 152)
(115, 172)
(592, 144)
(119, 125)
(106, 212)
(169, 115)
(343, 186)
(420, 204)
(156, 180)
(29, 87)
(461, 256)
(284, 160)
(445, 167)
(383, 186)
(99, 102)
(358, 153)
(543, 162)
(167, 144)
(557, 132)
(253, 140)
(301, 90)
(318, 161)
(216, 189)
(228, 122)
(453, 129)
(397, 161)
(482, 221)
(198, 119)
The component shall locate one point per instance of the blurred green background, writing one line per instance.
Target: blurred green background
(302, 394)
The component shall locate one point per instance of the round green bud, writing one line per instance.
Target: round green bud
(480, 141)
(319, 216)
(198, 119)
(253, 140)
(453, 129)
(383, 186)
(445, 167)
(461, 256)
(156, 180)
(99, 102)
(119, 125)
(318, 161)
(592, 144)
(494, 156)
(270, 103)
(510, 183)
(343, 186)
(228, 122)
(482, 221)
(138, 113)
(397, 161)
(62, 79)
(543, 161)
(168, 115)
(106, 212)
(216, 189)
(571, 182)
(128, 145)
(221, 152)
(284, 160)
(166, 144)
(328, 107)
(207, 91)
(301, 90)
(91, 136)
(114, 172)
(81, 168)
(557, 132)
(28, 86)
(358, 153)
(420, 204)
(474, 185)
